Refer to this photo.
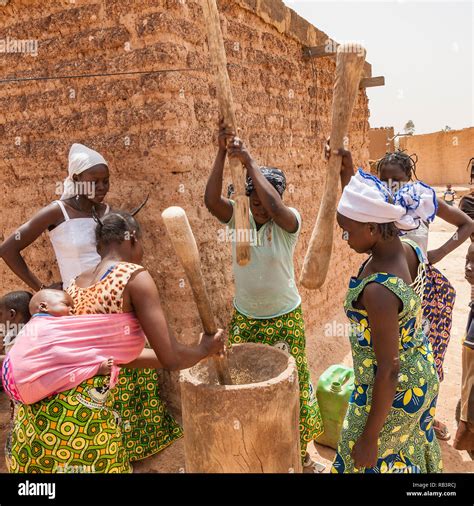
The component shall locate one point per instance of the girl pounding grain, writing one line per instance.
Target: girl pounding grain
(388, 425)
(396, 170)
(267, 303)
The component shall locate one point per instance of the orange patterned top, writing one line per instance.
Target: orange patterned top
(105, 296)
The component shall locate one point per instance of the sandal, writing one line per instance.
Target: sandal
(311, 466)
(441, 431)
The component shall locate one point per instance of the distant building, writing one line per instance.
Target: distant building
(381, 141)
(442, 156)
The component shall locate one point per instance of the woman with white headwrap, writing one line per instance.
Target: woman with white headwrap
(69, 221)
(388, 425)
(396, 170)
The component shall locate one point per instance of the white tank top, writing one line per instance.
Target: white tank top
(74, 245)
(420, 236)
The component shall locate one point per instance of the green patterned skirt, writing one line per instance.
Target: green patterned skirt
(147, 427)
(287, 333)
(75, 431)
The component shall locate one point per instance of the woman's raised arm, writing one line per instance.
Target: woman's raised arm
(465, 227)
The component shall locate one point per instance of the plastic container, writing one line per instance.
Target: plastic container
(334, 390)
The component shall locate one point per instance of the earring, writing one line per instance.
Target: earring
(77, 198)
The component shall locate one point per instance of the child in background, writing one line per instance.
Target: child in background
(464, 439)
(14, 314)
(449, 195)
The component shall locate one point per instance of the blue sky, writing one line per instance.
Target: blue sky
(425, 50)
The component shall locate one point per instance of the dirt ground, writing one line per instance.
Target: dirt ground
(323, 352)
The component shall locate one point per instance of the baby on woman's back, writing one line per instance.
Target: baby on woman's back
(49, 302)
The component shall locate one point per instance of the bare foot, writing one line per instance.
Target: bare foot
(441, 431)
(106, 367)
(311, 466)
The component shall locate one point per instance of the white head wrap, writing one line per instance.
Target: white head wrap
(81, 158)
(367, 200)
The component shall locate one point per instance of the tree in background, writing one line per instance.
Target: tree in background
(409, 127)
(447, 128)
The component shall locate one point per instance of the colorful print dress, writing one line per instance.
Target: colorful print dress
(438, 304)
(407, 443)
(146, 425)
(287, 333)
(75, 431)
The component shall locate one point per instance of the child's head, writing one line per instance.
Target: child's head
(53, 302)
(469, 271)
(397, 168)
(14, 309)
(449, 186)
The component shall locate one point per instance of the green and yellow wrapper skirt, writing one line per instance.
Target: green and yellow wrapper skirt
(147, 427)
(287, 333)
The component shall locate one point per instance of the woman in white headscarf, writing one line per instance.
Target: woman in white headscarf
(69, 221)
(389, 421)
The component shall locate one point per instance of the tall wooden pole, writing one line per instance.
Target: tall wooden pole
(186, 249)
(226, 106)
(349, 67)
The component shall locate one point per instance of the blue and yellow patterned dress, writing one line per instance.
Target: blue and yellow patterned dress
(407, 443)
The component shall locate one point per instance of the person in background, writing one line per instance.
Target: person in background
(68, 221)
(464, 439)
(396, 170)
(466, 205)
(449, 195)
(14, 314)
(470, 165)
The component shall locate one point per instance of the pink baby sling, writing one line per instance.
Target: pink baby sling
(55, 354)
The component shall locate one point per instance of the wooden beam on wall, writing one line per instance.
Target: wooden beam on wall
(318, 51)
(329, 50)
(370, 82)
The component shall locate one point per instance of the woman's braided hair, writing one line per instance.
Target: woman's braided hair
(388, 230)
(406, 162)
(117, 226)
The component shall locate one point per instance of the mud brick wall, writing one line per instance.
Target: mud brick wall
(158, 131)
(442, 156)
(379, 142)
